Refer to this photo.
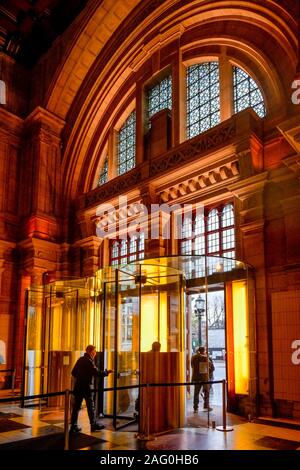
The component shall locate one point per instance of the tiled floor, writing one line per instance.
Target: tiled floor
(245, 436)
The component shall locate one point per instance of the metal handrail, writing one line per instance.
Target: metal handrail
(67, 394)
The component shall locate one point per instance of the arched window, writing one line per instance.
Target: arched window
(126, 145)
(205, 90)
(127, 250)
(211, 235)
(160, 96)
(247, 93)
(104, 173)
(228, 239)
(203, 98)
(213, 220)
(213, 238)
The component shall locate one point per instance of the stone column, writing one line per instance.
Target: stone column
(90, 258)
(41, 185)
(154, 247)
(10, 158)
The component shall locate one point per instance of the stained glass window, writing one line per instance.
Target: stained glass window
(126, 145)
(203, 98)
(247, 93)
(127, 250)
(160, 96)
(104, 173)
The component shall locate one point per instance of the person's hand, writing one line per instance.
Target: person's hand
(110, 371)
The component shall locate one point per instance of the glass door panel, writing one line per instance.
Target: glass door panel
(128, 347)
(33, 377)
(109, 301)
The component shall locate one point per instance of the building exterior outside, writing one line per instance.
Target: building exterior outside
(159, 102)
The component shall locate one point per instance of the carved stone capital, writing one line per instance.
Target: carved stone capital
(44, 126)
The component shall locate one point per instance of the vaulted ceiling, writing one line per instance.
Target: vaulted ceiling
(29, 27)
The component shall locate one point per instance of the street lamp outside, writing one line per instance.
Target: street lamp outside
(199, 311)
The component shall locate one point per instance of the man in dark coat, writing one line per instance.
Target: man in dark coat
(200, 373)
(84, 372)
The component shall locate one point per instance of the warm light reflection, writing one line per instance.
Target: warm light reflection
(240, 333)
(153, 325)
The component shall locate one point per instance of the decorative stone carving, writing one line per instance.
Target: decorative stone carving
(120, 215)
(210, 140)
(218, 175)
(117, 186)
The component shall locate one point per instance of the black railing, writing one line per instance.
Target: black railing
(142, 436)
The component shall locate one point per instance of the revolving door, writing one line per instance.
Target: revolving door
(142, 306)
(61, 319)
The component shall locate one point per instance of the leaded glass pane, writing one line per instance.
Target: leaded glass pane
(133, 245)
(228, 239)
(160, 96)
(123, 248)
(229, 264)
(199, 225)
(186, 247)
(104, 173)
(199, 245)
(247, 93)
(115, 250)
(213, 220)
(213, 243)
(203, 98)
(213, 235)
(124, 251)
(126, 145)
(228, 216)
(187, 228)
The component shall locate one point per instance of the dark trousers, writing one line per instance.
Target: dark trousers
(197, 391)
(78, 398)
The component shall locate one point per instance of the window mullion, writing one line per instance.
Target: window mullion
(226, 80)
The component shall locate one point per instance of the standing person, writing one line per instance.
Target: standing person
(84, 372)
(200, 374)
(211, 372)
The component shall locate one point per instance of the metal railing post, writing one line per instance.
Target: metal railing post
(66, 419)
(142, 436)
(13, 378)
(224, 427)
